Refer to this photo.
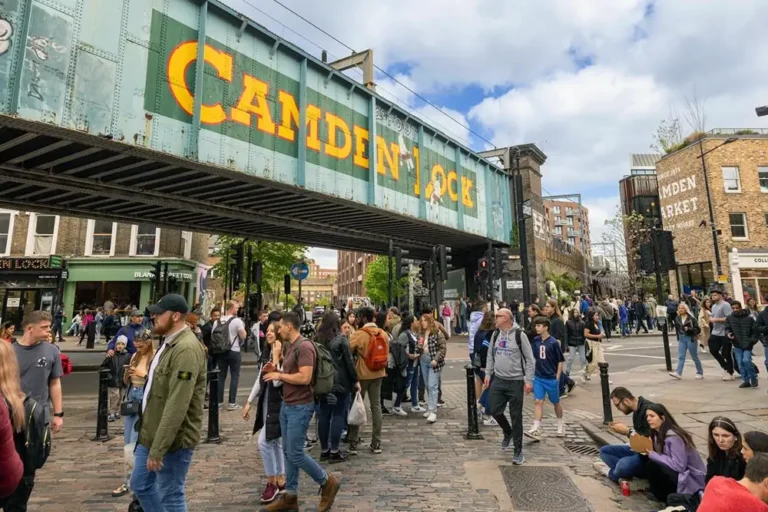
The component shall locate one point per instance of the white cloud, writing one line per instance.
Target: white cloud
(326, 258)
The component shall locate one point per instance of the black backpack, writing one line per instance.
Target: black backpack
(33, 443)
(220, 343)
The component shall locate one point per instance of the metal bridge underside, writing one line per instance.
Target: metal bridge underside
(54, 170)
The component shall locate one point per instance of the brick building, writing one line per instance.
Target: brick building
(737, 176)
(569, 221)
(319, 285)
(46, 258)
(351, 269)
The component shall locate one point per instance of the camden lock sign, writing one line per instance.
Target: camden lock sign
(679, 197)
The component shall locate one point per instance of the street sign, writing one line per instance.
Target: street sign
(527, 212)
(514, 285)
(300, 271)
(723, 279)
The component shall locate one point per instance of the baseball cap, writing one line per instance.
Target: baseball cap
(136, 312)
(171, 302)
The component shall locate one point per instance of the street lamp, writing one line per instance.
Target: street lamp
(718, 262)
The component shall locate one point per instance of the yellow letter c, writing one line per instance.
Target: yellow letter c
(181, 57)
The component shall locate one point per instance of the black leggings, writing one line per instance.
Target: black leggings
(661, 480)
(721, 349)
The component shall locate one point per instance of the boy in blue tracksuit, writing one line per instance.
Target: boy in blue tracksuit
(624, 320)
(549, 366)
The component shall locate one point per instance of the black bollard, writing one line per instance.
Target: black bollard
(213, 408)
(607, 413)
(102, 428)
(473, 430)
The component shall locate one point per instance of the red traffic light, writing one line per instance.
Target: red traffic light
(483, 263)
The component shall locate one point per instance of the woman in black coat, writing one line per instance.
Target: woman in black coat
(269, 399)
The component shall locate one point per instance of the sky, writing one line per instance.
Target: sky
(587, 81)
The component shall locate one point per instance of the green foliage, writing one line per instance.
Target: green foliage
(746, 131)
(690, 139)
(291, 300)
(277, 258)
(565, 282)
(377, 281)
(323, 302)
(514, 240)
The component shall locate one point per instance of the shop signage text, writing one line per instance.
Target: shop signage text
(746, 261)
(182, 276)
(683, 206)
(30, 263)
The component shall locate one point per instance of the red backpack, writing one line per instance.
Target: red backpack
(66, 365)
(377, 352)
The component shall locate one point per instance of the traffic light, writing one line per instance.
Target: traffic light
(645, 262)
(445, 260)
(425, 273)
(237, 271)
(402, 266)
(287, 284)
(499, 257)
(664, 241)
(483, 265)
(257, 270)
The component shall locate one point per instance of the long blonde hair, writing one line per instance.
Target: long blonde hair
(10, 385)
(148, 352)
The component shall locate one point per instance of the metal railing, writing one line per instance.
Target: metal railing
(738, 131)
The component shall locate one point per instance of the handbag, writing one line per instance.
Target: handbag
(130, 406)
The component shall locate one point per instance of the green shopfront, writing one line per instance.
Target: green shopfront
(124, 281)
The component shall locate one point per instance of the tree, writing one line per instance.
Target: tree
(289, 300)
(323, 302)
(377, 281)
(276, 258)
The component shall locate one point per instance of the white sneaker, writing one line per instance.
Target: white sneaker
(602, 468)
(675, 375)
(728, 376)
(399, 412)
(534, 434)
(418, 408)
(560, 431)
(426, 414)
(490, 422)
(699, 376)
(432, 417)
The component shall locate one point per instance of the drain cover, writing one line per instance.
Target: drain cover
(588, 450)
(543, 489)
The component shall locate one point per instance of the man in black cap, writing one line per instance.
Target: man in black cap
(172, 410)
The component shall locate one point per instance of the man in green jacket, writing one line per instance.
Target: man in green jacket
(172, 410)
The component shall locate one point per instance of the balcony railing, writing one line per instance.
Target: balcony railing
(739, 131)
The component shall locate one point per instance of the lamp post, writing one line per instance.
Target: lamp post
(718, 261)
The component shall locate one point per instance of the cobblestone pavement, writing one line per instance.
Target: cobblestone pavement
(423, 467)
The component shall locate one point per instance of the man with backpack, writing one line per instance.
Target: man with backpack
(40, 371)
(370, 346)
(226, 338)
(509, 374)
(302, 376)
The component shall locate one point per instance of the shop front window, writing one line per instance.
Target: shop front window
(749, 287)
(696, 276)
(762, 291)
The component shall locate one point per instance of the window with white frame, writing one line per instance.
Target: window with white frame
(731, 179)
(6, 231)
(571, 240)
(762, 174)
(738, 226)
(100, 238)
(558, 230)
(145, 240)
(186, 241)
(556, 210)
(41, 236)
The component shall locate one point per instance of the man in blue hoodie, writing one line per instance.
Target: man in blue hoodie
(130, 331)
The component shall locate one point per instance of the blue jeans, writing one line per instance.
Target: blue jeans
(229, 361)
(624, 463)
(294, 422)
(161, 491)
(572, 351)
(744, 358)
(431, 381)
(411, 385)
(331, 421)
(687, 344)
(131, 435)
(624, 324)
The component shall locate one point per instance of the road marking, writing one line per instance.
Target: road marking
(635, 355)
